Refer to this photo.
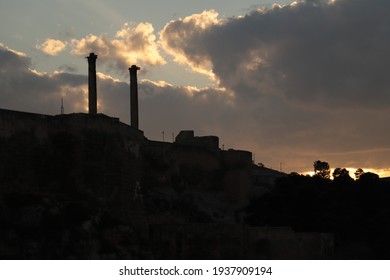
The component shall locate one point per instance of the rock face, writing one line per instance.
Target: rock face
(86, 186)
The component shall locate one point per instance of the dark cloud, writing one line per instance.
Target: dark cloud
(23, 88)
(309, 53)
(310, 78)
(68, 68)
(169, 108)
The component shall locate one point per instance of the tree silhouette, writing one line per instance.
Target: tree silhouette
(340, 173)
(369, 178)
(341, 177)
(321, 169)
(359, 172)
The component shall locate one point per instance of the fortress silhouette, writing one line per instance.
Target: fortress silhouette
(87, 186)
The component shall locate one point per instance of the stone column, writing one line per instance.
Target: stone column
(92, 95)
(134, 96)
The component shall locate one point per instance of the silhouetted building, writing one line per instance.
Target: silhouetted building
(187, 138)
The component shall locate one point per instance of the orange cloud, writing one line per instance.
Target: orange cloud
(51, 46)
(130, 45)
(176, 35)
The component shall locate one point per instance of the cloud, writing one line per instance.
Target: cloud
(311, 78)
(68, 68)
(169, 108)
(26, 89)
(178, 38)
(51, 46)
(313, 52)
(130, 45)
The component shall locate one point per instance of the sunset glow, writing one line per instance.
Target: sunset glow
(289, 81)
(383, 173)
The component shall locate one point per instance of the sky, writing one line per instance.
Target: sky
(292, 82)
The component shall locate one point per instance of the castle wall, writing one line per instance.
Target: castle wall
(187, 138)
(95, 156)
(236, 158)
(197, 163)
(13, 122)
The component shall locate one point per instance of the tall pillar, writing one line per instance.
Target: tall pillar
(134, 96)
(92, 95)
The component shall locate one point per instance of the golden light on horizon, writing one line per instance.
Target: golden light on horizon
(382, 172)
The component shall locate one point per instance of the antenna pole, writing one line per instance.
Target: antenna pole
(62, 106)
